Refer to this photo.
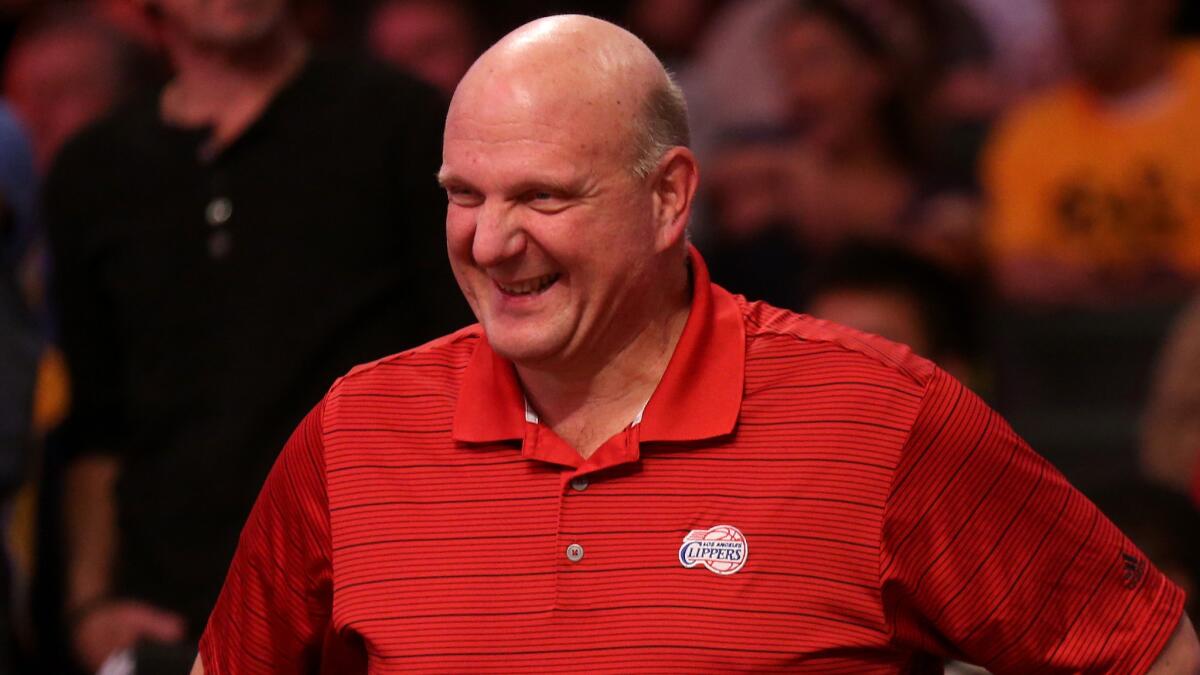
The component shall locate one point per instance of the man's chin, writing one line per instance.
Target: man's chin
(244, 38)
(529, 351)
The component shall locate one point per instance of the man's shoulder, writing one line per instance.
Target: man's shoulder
(115, 134)
(774, 335)
(435, 365)
(106, 161)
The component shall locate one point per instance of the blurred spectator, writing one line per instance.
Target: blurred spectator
(860, 166)
(18, 191)
(20, 350)
(66, 68)
(856, 165)
(1025, 40)
(223, 250)
(756, 249)
(1092, 185)
(434, 40)
(730, 79)
(903, 297)
(1170, 438)
(672, 28)
(959, 86)
(943, 49)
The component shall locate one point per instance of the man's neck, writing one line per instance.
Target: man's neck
(229, 90)
(587, 406)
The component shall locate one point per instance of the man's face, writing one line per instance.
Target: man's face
(224, 24)
(550, 234)
(831, 89)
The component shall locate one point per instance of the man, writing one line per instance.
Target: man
(224, 250)
(1092, 184)
(904, 297)
(625, 468)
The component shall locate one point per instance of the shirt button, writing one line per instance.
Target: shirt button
(574, 553)
(218, 211)
(579, 484)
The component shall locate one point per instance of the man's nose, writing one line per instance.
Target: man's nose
(498, 234)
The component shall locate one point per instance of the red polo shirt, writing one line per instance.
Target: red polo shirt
(797, 496)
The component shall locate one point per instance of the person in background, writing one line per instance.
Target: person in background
(1025, 41)
(1170, 430)
(1091, 186)
(852, 163)
(674, 29)
(223, 249)
(859, 167)
(434, 40)
(22, 342)
(899, 295)
(67, 67)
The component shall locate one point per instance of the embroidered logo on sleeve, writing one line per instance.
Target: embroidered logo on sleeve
(1133, 568)
(721, 549)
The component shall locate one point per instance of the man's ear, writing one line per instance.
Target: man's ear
(674, 183)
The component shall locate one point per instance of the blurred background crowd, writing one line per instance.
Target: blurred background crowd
(205, 219)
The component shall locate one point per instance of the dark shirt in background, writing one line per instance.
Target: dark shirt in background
(206, 305)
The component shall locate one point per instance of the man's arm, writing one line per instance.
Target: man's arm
(1181, 656)
(90, 528)
(100, 624)
(985, 522)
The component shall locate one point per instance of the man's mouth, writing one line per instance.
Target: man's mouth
(528, 286)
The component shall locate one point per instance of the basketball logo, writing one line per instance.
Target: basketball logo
(721, 549)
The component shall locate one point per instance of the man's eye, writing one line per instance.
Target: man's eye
(462, 195)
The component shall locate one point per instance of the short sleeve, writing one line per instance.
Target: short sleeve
(989, 555)
(274, 612)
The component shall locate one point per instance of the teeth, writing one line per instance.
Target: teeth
(529, 286)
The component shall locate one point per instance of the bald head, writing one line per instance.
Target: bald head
(569, 258)
(579, 67)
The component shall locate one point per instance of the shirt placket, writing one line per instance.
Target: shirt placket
(587, 543)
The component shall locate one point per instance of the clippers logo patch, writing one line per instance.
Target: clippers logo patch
(721, 549)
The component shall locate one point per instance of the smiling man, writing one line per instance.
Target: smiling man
(626, 468)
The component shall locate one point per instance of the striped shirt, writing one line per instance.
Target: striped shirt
(796, 497)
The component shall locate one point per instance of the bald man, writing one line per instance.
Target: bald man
(623, 467)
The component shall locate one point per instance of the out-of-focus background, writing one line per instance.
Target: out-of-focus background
(1010, 187)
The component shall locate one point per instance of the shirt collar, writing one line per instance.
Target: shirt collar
(698, 397)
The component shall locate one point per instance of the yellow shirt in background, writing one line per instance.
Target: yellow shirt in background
(1113, 189)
